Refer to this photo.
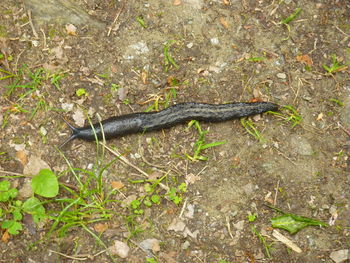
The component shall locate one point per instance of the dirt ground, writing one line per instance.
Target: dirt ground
(220, 51)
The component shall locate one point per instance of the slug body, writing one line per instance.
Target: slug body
(150, 121)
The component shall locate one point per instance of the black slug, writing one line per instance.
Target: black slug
(150, 121)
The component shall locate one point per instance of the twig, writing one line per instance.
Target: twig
(229, 226)
(113, 25)
(67, 256)
(276, 193)
(289, 243)
(44, 44)
(341, 31)
(126, 161)
(344, 130)
(281, 153)
(32, 25)
(183, 208)
(79, 257)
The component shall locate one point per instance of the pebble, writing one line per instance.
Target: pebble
(301, 146)
(185, 245)
(340, 255)
(34, 165)
(281, 75)
(120, 249)
(239, 225)
(151, 245)
(190, 45)
(214, 41)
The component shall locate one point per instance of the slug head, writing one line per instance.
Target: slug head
(74, 134)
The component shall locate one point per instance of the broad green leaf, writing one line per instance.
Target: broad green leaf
(4, 185)
(294, 223)
(17, 215)
(155, 199)
(12, 226)
(45, 183)
(34, 207)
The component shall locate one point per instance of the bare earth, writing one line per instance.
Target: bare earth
(225, 51)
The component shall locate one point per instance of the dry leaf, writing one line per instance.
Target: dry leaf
(100, 228)
(191, 178)
(144, 77)
(71, 29)
(305, 59)
(319, 117)
(177, 2)
(226, 2)
(224, 23)
(5, 237)
(117, 185)
(22, 157)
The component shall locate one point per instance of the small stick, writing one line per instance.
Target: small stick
(276, 193)
(115, 19)
(229, 227)
(341, 31)
(67, 256)
(32, 25)
(183, 208)
(344, 130)
(126, 161)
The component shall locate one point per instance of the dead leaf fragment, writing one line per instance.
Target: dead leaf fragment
(71, 29)
(224, 23)
(100, 227)
(305, 59)
(191, 178)
(5, 237)
(177, 225)
(319, 117)
(144, 77)
(177, 2)
(117, 185)
(289, 243)
(22, 157)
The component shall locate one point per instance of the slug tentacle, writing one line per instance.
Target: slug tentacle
(150, 121)
(73, 135)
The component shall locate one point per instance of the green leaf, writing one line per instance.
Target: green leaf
(45, 183)
(81, 92)
(293, 223)
(34, 207)
(4, 185)
(135, 204)
(155, 199)
(17, 215)
(292, 16)
(12, 226)
(147, 202)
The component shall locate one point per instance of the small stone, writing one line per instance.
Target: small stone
(214, 41)
(120, 249)
(340, 255)
(239, 225)
(43, 131)
(34, 165)
(281, 75)
(177, 225)
(185, 245)
(151, 245)
(301, 146)
(190, 45)
(26, 190)
(67, 106)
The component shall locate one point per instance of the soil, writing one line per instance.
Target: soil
(222, 51)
